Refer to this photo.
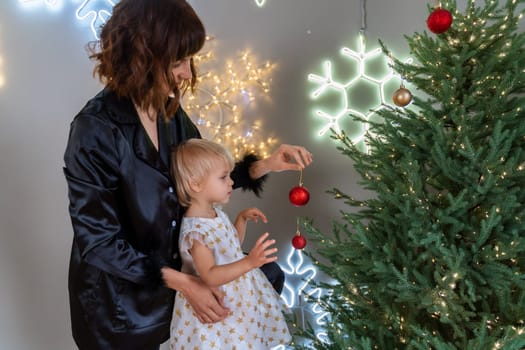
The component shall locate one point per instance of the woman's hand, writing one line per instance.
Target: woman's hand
(286, 157)
(207, 303)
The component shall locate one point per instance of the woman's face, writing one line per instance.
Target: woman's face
(181, 70)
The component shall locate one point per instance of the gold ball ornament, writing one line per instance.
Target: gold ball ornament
(402, 97)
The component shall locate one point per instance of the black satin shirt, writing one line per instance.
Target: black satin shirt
(125, 215)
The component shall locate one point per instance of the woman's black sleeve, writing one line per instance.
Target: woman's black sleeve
(241, 176)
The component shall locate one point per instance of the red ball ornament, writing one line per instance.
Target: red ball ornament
(298, 241)
(439, 21)
(299, 196)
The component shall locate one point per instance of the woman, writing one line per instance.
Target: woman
(124, 267)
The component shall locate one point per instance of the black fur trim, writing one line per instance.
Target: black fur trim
(241, 175)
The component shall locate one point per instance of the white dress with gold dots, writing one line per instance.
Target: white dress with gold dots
(256, 321)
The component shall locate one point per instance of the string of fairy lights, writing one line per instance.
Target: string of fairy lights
(222, 103)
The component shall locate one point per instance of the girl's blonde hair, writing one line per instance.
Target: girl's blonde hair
(192, 160)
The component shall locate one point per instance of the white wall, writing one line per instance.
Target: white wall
(48, 78)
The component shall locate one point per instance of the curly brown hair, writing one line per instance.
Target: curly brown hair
(138, 46)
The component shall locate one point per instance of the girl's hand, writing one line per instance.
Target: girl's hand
(262, 253)
(252, 214)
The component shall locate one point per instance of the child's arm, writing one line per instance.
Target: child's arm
(242, 220)
(216, 275)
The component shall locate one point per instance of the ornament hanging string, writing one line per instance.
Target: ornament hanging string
(362, 31)
(299, 195)
(363, 16)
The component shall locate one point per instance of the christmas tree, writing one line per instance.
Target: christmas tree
(435, 258)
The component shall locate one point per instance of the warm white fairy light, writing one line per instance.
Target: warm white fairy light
(222, 100)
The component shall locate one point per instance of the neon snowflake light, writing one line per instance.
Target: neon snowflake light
(51, 4)
(350, 93)
(299, 274)
(96, 12)
(260, 3)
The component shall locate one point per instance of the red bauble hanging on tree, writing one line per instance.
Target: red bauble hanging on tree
(299, 195)
(439, 21)
(298, 241)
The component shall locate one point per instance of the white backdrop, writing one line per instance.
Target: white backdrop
(47, 78)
